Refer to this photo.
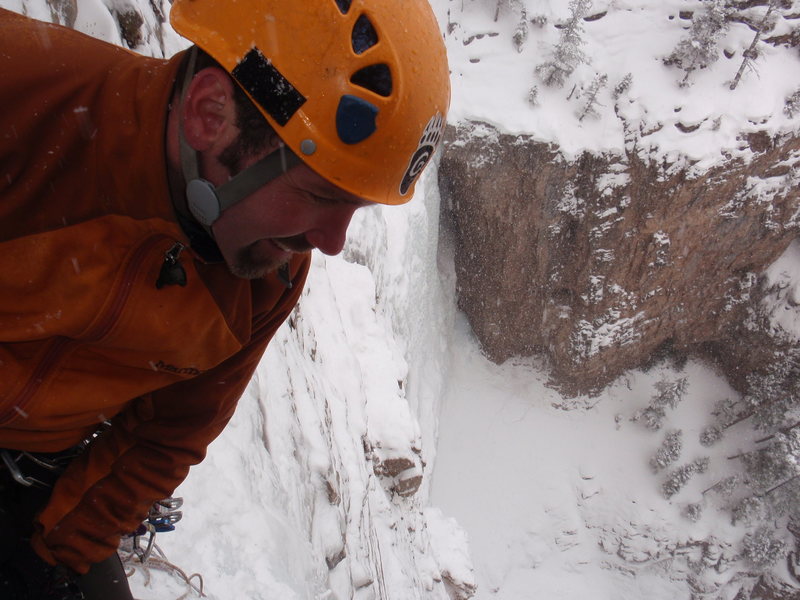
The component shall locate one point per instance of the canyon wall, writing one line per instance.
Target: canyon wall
(601, 261)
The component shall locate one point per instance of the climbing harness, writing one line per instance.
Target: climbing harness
(137, 550)
(52, 466)
(41, 470)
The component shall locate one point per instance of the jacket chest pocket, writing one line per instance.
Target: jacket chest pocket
(116, 334)
(161, 316)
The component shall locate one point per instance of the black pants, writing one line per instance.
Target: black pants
(23, 575)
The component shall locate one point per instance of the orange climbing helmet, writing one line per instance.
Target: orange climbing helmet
(358, 89)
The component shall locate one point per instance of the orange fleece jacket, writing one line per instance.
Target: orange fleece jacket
(85, 335)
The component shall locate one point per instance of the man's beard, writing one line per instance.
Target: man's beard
(247, 266)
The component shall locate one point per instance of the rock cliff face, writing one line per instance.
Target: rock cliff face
(601, 261)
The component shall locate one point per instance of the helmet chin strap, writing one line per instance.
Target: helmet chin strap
(205, 201)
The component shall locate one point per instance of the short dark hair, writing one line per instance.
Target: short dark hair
(255, 131)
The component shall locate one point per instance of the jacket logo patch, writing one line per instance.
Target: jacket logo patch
(162, 366)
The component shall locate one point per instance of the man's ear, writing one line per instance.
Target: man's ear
(208, 111)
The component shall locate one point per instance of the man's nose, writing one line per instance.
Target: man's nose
(331, 232)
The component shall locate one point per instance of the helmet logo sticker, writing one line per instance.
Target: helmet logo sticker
(428, 143)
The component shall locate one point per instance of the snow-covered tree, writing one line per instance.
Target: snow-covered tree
(533, 96)
(749, 511)
(772, 396)
(792, 106)
(514, 5)
(700, 47)
(669, 394)
(711, 435)
(679, 477)
(623, 86)
(589, 108)
(762, 549)
(772, 469)
(769, 466)
(725, 487)
(773, 474)
(539, 20)
(521, 32)
(669, 451)
(567, 54)
(784, 498)
(727, 412)
(749, 55)
(693, 511)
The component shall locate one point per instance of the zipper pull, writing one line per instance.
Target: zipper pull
(172, 271)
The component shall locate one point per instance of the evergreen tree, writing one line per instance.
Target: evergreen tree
(533, 96)
(699, 48)
(725, 487)
(749, 511)
(512, 4)
(784, 498)
(711, 435)
(539, 20)
(598, 83)
(623, 86)
(693, 511)
(772, 396)
(521, 32)
(567, 54)
(761, 549)
(727, 412)
(680, 476)
(668, 452)
(749, 55)
(792, 106)
(769, 466)
(669, 393)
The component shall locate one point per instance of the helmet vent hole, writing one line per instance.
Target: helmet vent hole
(364, 35)
(375, 78)
(344, 5)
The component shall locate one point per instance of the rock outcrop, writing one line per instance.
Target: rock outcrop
(602, 261)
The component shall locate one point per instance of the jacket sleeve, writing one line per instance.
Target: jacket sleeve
(107, 491)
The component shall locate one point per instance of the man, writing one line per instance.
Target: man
(156, 219)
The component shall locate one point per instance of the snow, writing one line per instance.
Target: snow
(525, 493)
(95, 20)
(562, 500)
(491, 82)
